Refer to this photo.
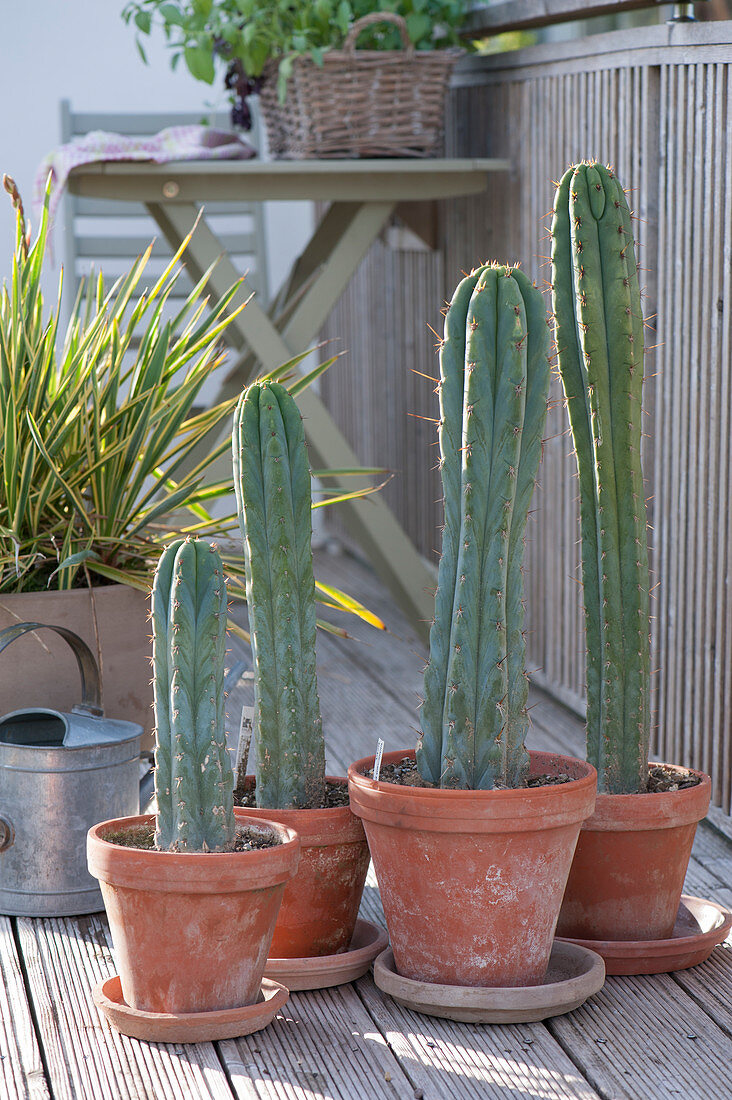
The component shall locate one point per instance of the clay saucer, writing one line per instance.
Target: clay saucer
(188, 1027)
(574, 974)
(700, 926)
(319, 972)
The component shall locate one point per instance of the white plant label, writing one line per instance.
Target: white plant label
(377, 759)
(244, 742)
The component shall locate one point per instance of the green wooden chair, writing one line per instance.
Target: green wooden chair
(108, 236)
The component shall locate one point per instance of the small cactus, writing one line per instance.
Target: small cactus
(599, 330)
(494, 383)
(272, 483)
(194, 781)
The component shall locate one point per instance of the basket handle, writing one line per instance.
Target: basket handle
(91, 701)
(349, 44)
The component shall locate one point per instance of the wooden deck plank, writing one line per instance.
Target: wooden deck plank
(710, 986)
(703, 882)
(475, 1061)
(324, 1044)
(554, 727)
(645, 1037)
(21, 1070)
(697, 995)
(86, 1058)
(355, 711)
(370, 684)
(714, 853)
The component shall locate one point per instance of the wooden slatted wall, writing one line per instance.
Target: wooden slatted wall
(655, 104)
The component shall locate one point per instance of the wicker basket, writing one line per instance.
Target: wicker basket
(366, 103)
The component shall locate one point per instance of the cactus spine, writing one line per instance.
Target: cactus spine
(494, 382)
(599, 327)
(194, 781)
(272, 482)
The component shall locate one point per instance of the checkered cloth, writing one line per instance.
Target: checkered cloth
(175, 143)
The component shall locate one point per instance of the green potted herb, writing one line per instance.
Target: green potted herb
(295, 50)
(632, 855)
(192, 892)
(472, 837)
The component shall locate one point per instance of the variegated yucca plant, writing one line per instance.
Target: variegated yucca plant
(98, 426)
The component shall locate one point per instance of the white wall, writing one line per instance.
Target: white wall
(82, 51)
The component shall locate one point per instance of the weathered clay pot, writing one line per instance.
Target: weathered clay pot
(629, 868)
(320, 906)
(124, 641)
(191, 930)
(472, 881)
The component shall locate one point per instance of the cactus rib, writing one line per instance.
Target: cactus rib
(474, 713)
(193, 779)
(451, 394)
(600, 344)
(272, 482)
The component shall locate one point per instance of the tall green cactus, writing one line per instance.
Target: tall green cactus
(272, 482)
(194, 781)
(494, 383)
(599, 329)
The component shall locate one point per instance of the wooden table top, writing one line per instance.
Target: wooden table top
(254, 180)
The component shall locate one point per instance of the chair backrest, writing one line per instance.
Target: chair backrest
(110, 235)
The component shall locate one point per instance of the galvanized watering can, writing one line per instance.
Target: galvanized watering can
(59, 775)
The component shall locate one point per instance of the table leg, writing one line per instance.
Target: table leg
(329, 261)
(330, 229)
(370, 521)
(205, 249)
(317, 303)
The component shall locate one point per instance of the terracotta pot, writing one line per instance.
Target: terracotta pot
(472, 881)
(191, 930)
(43, 669)
(320, 906)
(629, 867)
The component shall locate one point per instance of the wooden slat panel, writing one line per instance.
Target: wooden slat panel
(691, 419)
(708, 423)
(719, 719)
(667, 129)
(661, 470)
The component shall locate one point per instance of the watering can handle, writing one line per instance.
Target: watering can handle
(91, 698)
